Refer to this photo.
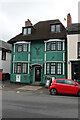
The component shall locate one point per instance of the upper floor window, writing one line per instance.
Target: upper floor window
(25, 47)
(20, 48)
(3, 55)
(59, 45)
(53, 45)
(48, 46)
(78, 49)
(55, 28)
(27, 31)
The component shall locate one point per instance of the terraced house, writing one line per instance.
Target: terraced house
(39, 52)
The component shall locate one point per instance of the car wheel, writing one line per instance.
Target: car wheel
(79, 93)
(53, 91)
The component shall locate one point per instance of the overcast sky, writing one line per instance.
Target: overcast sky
(14, 13)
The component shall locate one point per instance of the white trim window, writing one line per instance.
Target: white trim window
(25, 47)
(18, 67)
(48, 66)
(53, 68)
(59, 68)
(15, 66)
(78, 49)
(59, 45)
(48, 46)
(53, 46)
(19, 47)
(24, 68)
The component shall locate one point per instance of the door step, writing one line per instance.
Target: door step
(36, 83)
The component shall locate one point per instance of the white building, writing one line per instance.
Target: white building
(5, 57)
(73, 52)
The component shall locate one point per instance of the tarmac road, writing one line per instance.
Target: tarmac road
(38, 105)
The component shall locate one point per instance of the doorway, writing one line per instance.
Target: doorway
(37, 73)
(76, 71)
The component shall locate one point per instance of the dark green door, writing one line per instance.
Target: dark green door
(38, 73)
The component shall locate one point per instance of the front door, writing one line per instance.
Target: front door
(38, 73)
(76, 71)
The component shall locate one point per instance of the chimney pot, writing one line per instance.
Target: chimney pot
(28, 23)
(69, 20)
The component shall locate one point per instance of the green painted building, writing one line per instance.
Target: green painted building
(39, 52)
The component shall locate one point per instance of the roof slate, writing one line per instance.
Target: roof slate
(5, 45)
(74, 28)
(41, 32)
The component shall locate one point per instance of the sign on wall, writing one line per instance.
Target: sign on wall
(18, 78)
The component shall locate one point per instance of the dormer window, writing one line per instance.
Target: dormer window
(26, 31)
(55, 28)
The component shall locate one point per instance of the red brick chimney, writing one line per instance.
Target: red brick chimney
(69, 20)
(28, 23)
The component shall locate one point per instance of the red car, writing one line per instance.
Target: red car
(65, 86)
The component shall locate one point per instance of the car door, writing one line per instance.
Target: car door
(70, 87)
(60, 86)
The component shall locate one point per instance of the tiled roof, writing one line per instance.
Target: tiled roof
(41, 32)
(74, 28)
(5, 45)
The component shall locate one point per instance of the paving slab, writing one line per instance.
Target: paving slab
(30, 88)
(0, 87)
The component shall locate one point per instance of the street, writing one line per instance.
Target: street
(38, 105)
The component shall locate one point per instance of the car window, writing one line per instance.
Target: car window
(69, 82)
(60, 81)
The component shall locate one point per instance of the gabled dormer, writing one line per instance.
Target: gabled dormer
(27, 30)
(55, 28)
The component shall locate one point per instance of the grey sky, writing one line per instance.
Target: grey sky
(14, 13)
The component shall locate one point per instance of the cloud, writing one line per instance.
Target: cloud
(13, 13)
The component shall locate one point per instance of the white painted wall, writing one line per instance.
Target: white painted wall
(5, 64)
(0, 59)
(72, 50)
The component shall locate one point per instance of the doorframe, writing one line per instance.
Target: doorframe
(34, 71)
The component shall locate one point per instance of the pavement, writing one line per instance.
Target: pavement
(11, 86)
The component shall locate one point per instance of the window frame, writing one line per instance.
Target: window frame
(48, 68)
(52, 29)
(3, 54)
(24, 47)
(60, 70)
(59, 46)
(49, 46)
(55, 28)
(69, 83)
(60, 82)
(24, 67)
(59, 27)
(54, 69)
(15, 68)
(54, 43)
(78, 49)
(21, 48)
(27, 31)
(20, 67)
